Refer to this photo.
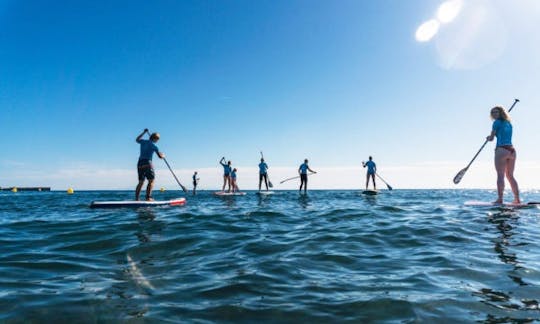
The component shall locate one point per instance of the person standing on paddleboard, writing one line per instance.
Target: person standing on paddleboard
(195, 182)
(302, 170)
(233, 180)
(226, 174)
(263, 174)
(371, 171)
(145, 168)
(505, 154)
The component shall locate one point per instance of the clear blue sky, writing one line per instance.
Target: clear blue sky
(334, 81)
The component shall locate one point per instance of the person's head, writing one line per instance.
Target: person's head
(154, 137)
(262, 160)
(305, 161)
(498, 112)
(229, 163)
(234, 170)
(370, 158)
(195, 172)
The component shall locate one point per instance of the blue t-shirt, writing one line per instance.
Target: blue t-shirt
(226, 168)
(147, 149)
(194, 178)
(303, 168)
(233, 175)
(503, 131)
(371, 167)
(263, 167)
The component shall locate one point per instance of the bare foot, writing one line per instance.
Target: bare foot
(516, 202)
(498, 202)
(149, 199)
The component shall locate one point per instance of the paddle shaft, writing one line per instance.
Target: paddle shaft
(295, 177)
(174, 175)
(486, 141)
(386, 183)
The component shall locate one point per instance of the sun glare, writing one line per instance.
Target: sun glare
(427, 30)
(449, 10)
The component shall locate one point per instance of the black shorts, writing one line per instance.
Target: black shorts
(145, 170)
(303, 177)
(194, 184)
(263, 175)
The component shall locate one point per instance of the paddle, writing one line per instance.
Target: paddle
(387, 185)
(174, 175)
(461, 173)
(296, 177)
(267, 176)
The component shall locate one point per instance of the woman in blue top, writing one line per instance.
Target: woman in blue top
(227, 169)
(505, 154)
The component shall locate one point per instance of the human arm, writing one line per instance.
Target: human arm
(311, 170)
(138, 139)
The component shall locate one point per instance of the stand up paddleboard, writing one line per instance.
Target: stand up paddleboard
(264, 193)
(138, 203)
(225, 194)
(475, 203)
(370, 192)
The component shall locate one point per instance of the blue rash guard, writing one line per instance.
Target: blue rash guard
(226, 169)
(233, 175)
(147, 149)
(371, 167)
(503, 131)
(263, 168)
(303, 168)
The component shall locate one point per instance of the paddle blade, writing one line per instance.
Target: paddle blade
(460, 175)
(389, 187)
(270, 184)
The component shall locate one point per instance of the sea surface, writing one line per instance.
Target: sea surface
(403, 256)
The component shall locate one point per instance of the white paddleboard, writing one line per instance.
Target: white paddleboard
(474, 203)
(137, 203)
(225, 193)
(265, 193)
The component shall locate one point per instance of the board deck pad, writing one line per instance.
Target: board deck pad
(224, 193)
(475, 203)
(138, 203)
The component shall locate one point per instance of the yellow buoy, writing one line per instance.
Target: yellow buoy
(162, 189)
(70, 191)
(14, 189)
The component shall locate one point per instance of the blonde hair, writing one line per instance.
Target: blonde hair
(502, 113)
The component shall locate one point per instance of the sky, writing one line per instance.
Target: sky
(331, 81)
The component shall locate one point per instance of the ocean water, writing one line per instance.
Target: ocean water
(403, 256)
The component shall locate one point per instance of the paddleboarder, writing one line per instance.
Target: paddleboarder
(233, 180)
(195, 182)
(226, 173)
(145, 169)
(371, 171)
(263, 174)
(302, 171)
(505, 153)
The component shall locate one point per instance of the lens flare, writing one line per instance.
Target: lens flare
(449, 10)
(427, 30)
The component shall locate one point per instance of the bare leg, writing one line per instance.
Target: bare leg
(374, 185)
(138, 189)
(149, 189)
(510, 165)
(260, 182)
(224, 183)
(500, 167)
(229, 183)
(367, 181)
(266, 182)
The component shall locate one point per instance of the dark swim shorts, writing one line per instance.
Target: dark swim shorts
(145, 170)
